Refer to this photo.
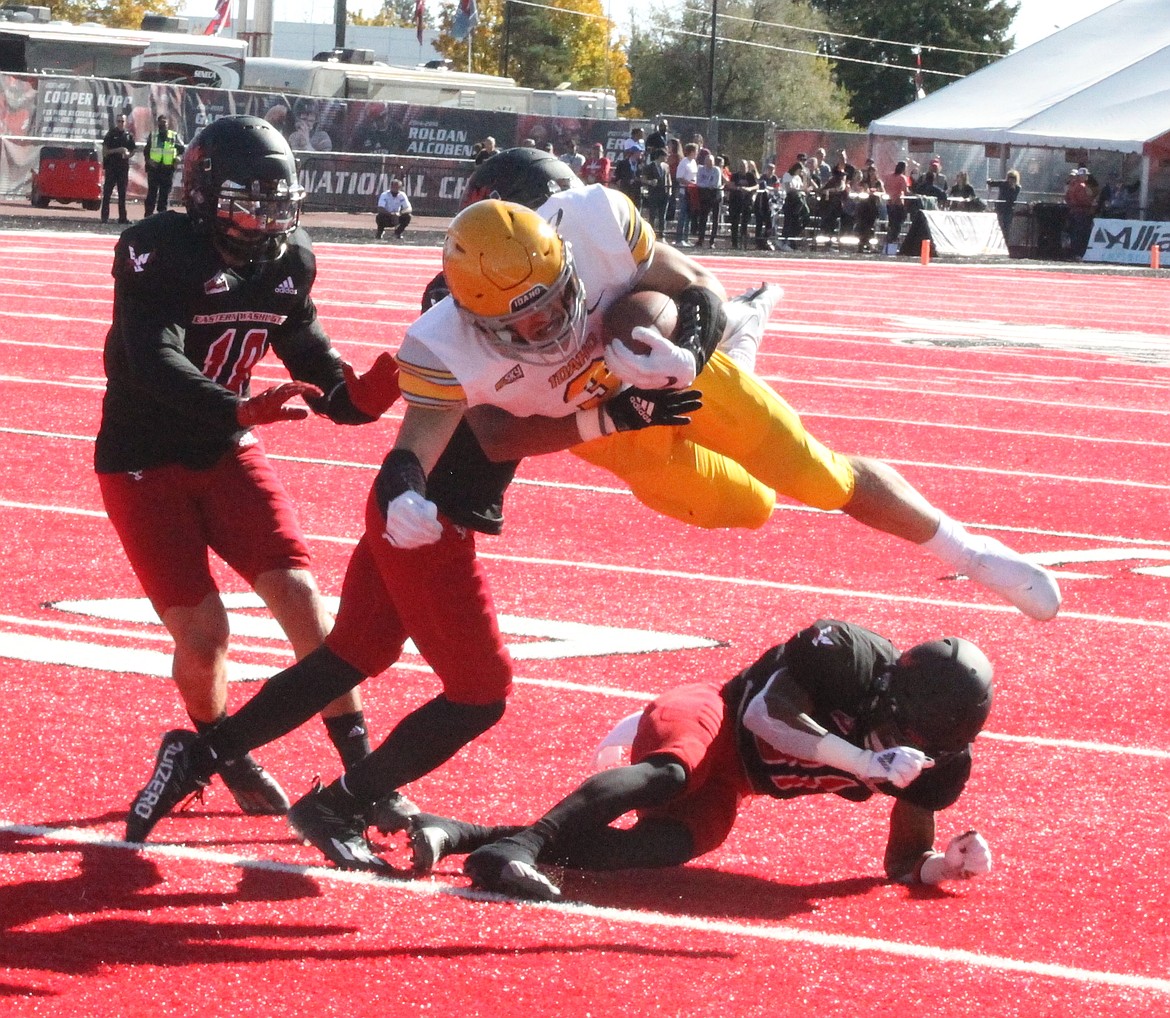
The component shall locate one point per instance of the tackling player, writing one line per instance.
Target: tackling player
(437, 594)
(199, 298)
(835, 710)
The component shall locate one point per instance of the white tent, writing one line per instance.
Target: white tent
(1102, 83)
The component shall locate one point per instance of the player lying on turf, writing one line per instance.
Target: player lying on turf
(834, 709)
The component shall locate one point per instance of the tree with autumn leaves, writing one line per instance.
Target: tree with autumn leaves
(114, 13)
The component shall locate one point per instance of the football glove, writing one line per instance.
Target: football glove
(376, 391)
(633, 409)
(663, 366)
(269, 406)
(968, 855)
(412, 521)
(899, 766)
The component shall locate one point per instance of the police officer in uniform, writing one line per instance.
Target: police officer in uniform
(163, 148)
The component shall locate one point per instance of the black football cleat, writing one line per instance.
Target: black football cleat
(392, 813)
(256, 791)
(499, 868)
(433, 838)
(174, 780)
(326, 819)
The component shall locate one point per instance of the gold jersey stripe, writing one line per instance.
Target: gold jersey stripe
(429, 386)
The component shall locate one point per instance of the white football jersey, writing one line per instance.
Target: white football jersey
(445, 361)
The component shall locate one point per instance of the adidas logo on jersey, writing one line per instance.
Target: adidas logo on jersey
(287, 287)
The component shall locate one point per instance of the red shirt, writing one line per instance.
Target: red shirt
(596, 171)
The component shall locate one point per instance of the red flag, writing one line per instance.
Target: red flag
(221, 19)
(419, 13)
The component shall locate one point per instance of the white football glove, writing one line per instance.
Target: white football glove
(968, 855)
(412, 521)
(899, 765)
(663, 366)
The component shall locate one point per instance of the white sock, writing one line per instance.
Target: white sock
(952, 544)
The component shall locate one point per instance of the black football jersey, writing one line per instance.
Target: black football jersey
(187, 331)
(836, 664)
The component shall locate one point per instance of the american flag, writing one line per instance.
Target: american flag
(466, 18)
(419, 14)
(221, 19)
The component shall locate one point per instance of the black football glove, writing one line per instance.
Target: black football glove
(633, 409)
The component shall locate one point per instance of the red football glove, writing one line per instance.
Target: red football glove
(377, 390)
(269, 405)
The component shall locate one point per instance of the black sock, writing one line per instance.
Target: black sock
(284, 702)
(349, 736)
(420, 742)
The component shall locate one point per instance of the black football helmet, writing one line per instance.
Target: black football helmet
(526, 176)
(240, 184)
(936, 698)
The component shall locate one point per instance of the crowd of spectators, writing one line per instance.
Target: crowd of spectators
(695, 196)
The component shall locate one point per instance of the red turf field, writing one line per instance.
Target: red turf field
(1027, 402)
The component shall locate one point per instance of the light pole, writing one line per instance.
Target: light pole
(711, 62)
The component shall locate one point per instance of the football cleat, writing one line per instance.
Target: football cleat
(1030, 587)
(174, 779)
(392, 813)
(327, 820)
(256, 791)
(432, 838)
(747, 315)
(496, 868)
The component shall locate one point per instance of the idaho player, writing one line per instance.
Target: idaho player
(199, 298)
(519, 349)
(834, 710)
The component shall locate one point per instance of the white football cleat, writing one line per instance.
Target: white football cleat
(747, 315)
(1031, 588)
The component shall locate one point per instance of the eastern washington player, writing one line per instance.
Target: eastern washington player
(199, 298)
(833, 710)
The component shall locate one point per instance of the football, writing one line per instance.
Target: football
(642, 308)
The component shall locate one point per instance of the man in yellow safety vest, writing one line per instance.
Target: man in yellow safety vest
(163, 148)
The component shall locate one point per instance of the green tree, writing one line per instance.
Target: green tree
(886, 80)
(546, 42)
(765, 67)
(114, 13)
(394, 14)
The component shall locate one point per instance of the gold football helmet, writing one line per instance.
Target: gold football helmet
(512, 275)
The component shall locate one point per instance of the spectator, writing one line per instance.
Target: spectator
(674, 154)
(795, 211)
(659, 137)
(394, 211)
(597, 166)
(1081, 200)
(118, 146)
(627, 173)
(897, 186)
(709, 181)
(928, 187)
(741, 196)
(687, 201)
(938, 179)
(161, 152)
(767, 194)
(573, 159)
(486, 151)
(962, 188)
(655, 179)
(1008, 194)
